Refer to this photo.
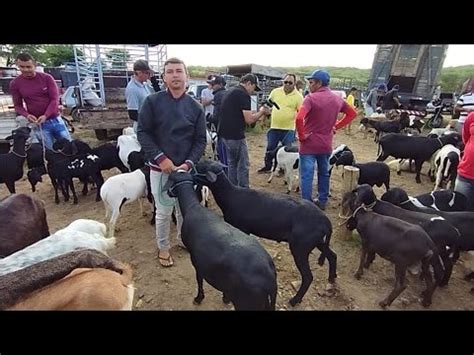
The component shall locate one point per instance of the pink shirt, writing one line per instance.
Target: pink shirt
(40, 94)
(322, 107)
(466, 165)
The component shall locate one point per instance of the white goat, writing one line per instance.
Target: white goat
(450, 128)
(119, 190)
(73, 237)
(126, 145)
(445, 165)
(287, 159)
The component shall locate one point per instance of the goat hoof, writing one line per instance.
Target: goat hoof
(358, 275)
(418, 181)
(197, 300)
(56, 201)
(288, 192)
(383, 304)
(426, 303)
(74, 202)
(294, 301)
(399, 173)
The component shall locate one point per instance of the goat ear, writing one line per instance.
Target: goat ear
(8, 138)
(74, 148)
(211, 176)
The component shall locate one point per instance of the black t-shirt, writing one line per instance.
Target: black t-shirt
(232, 122)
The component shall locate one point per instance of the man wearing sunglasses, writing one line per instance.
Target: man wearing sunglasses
(282, 126)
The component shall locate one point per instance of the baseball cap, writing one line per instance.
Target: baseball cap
(141, 65)
(217, 79)
(382, 87)
(253, 79)
(321, 75)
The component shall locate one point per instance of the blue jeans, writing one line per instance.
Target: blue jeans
(238, 161)
(53, 129)
(466, 187)
(274, 136)
(307, 173)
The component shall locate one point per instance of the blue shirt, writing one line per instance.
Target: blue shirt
(135, 94)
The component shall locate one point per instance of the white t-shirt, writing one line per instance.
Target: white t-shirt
(465, 101)
(207, 94)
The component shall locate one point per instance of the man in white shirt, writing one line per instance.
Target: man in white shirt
(206, 100)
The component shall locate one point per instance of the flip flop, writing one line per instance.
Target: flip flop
(169, 259)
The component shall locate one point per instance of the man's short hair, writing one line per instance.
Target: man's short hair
(174, 60)
(24, 57)
(353, 88)
(253, 79)
(141, 65)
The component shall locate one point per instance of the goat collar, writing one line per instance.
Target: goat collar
(363, 206)
(18, 155)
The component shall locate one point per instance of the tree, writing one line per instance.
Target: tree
(119, 57)
(59, 54)
(10, 51)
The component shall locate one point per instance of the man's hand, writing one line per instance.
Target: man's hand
(167, 166)
(183, 166)
(32, 118)
(41, 119)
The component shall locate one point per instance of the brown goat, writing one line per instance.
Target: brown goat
(22, 223)
(21, 283)
(84, 289)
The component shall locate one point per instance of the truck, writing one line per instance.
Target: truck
(106, 69)
(415, 68)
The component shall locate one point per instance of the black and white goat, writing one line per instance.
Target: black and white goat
(287, 158)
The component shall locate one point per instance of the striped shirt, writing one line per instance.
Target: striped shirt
(465, 101)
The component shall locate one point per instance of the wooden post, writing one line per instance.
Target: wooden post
(350, 176)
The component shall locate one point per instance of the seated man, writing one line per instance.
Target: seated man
(38, 91)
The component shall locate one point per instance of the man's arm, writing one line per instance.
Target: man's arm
(53, 93)
(206, 99)
(350, 114)
(199, 142)
(299, 123)
(466, 132)
(17, 99)
(252, 117)
(145, 131)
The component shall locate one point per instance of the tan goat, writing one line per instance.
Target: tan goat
(84, 289)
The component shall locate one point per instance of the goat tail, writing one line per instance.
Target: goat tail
(437, 267)
(327, 240)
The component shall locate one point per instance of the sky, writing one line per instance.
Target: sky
(358, 56)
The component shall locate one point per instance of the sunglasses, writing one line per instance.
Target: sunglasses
(288, 82)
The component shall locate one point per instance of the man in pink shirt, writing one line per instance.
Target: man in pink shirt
(465, 179)
(316, 124)
(38, 91)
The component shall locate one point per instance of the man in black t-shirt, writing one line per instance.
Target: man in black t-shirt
(235, 113)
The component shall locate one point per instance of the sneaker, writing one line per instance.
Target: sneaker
(321, 205)
(264, 170)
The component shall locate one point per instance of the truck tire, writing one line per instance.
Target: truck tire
(101, 134)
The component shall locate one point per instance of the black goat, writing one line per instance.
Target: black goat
(11, 164)
(446, 238)
(228, 259)
(441, 200)
(419, 149)
(371, 173)
(400, 242)
(273, 216)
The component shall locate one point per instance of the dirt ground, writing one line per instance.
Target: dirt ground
(174, 288)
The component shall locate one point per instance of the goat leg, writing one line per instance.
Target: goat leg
(73, 190)
(10, 186)
(400, 286)
(363, 257)
(301, 256)
(369, 259)
(430, 285)
(418, 165)
(200, 296)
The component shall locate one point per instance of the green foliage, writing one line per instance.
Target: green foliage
(10, 51)
(452, 77)
(119, 57)
(59, 54)
(200, 72)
